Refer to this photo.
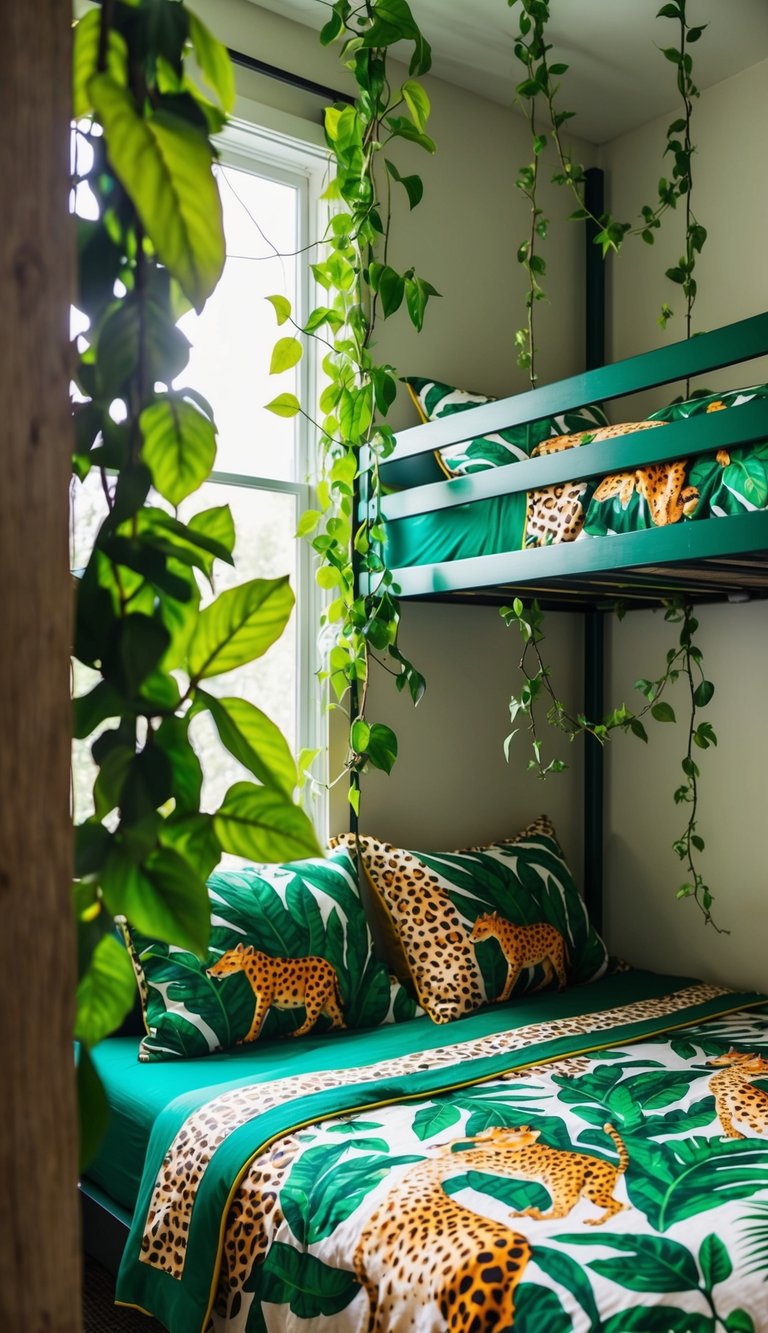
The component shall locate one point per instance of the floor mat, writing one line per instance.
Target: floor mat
(100, 1314)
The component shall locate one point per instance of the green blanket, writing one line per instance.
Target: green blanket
(433, 1178)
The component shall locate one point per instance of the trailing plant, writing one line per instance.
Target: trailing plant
(362, 290)
(682, 662)
(541, 84)
(142, 628)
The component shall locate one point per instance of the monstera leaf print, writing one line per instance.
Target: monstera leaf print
(540, 1308)
(303, 1283)
(327, 1185)
(672, 1181)
(310, 909)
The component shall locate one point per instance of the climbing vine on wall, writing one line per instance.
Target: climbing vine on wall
(683, 662)
(540, 89)
(362, 289)
(144, 628)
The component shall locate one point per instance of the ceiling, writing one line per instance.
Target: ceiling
(617, 79)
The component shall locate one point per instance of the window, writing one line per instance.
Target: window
(264, 467)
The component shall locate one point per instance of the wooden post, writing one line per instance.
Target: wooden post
(39, 1240)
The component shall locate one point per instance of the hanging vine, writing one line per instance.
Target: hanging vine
(363, 290)
(684, 661)
(154, 248)
(541, 84)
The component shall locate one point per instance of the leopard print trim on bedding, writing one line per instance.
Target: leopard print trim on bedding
(167, 1223)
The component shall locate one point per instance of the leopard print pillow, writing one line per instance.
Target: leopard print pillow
(485, 923)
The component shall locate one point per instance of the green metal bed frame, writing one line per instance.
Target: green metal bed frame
(707, 560)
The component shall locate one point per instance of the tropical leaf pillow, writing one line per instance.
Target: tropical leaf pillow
(709, 402)
(434, 399)
(485, 923)
(295, 933)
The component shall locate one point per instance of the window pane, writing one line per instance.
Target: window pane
(232, 340)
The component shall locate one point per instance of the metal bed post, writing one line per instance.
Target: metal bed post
(594, 621)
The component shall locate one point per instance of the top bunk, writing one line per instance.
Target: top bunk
(684, 509)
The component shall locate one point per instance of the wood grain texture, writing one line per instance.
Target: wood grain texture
(39, 1239)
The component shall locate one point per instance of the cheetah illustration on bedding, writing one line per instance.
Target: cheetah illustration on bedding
(434, 932)
(736, 1100)
(286, 983)
(166, 1227)
(568, 1176)
(556, 513)
(475, 1262)
(661, 485)
(523, 947)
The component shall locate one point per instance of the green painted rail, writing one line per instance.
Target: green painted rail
(679, 439)
(742, 341)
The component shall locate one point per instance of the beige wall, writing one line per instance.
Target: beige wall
(644, 921)
(451, 784)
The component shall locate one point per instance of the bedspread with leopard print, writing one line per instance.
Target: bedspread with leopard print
(166, 1228)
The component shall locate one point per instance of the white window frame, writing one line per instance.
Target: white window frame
(282, 157)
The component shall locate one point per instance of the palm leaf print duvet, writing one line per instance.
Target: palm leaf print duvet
(595, 1161)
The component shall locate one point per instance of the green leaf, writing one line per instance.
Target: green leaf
(540, 1308)
(738, 1321)
(106, 993)
(417, 101)
(285, 405)
(215, 65)
(164, 164)
(359, 735)
(162, 898)
(433, 1119)
(239, 626)
(191, 836)
(714, 1261)
(287, 352)
(92, 1106)
(179, 446)
(85, 54)
(253, 739)
(134, 647)
(703, 693)
(663, 712)
(90, 710)
(417, 293)
(647, 1263)
(382, 747)
(282, 307)
(405, 129)
(263, 825)
(308, 1286)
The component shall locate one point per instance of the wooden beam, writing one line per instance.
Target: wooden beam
(39, 1237)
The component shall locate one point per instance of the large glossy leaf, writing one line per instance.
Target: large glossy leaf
(179, 446)
(239, 626)
(192, 837)
(214, 62)
(85, 55)
(161, 897)
(106, 993)
(133, 332)
(262, 824)
(308, 1286)
(253, 739)
(165, 165)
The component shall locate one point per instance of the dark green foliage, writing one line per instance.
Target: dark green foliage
(156, 248)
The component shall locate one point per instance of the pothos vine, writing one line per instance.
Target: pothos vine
(541, 85)
(363, 288)
(682, 662)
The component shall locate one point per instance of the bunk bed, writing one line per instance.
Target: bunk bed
(591, 1159)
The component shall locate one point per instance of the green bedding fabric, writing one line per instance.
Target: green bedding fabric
(553, 1164)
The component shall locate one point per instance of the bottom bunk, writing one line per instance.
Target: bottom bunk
(595, 1159)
